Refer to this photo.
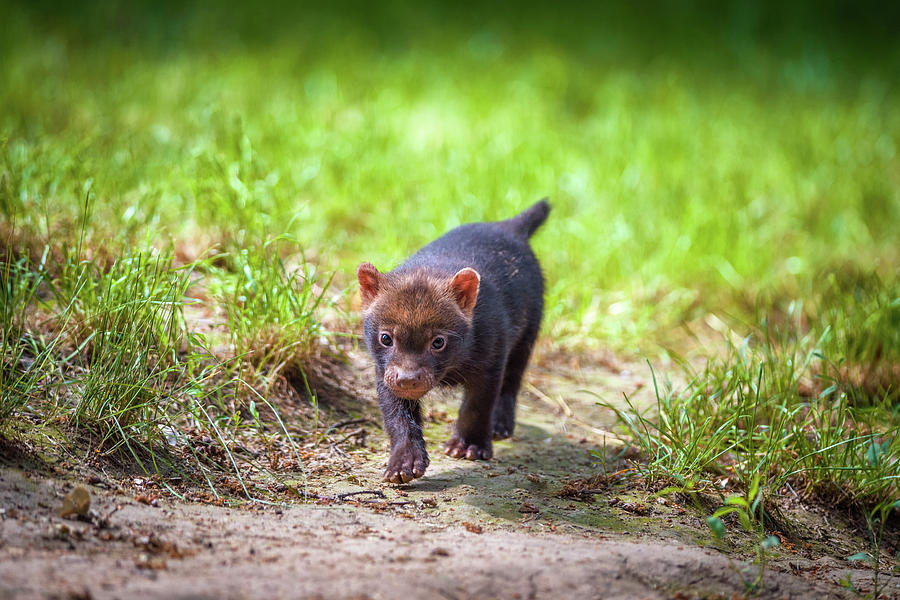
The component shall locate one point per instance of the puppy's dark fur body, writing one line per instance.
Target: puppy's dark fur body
(463, 310)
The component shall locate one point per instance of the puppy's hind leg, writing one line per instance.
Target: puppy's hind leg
(503, 419)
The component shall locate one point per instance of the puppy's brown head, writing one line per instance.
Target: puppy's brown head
(416, 324)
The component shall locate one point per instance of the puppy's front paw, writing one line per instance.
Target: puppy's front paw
(405, 464)
(460, 448)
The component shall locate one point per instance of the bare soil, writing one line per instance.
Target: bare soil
(556, 514)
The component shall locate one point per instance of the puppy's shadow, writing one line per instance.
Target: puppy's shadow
(526, 474)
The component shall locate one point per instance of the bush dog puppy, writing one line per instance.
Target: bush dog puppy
(464, 310)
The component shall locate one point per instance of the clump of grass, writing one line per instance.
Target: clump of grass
(272, 309)
(24, 354)
(127, 326)
(113, 355)
(96, 334)
(777, 407)
(775, 416)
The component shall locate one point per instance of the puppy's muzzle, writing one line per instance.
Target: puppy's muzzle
(410, 384)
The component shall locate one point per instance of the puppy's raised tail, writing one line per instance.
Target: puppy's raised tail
(528, 221)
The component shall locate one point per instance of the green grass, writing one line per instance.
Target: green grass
(735, 164)
(701, 159)
(777, 408)
(125, 324)
(273, 310)
(104, 350)
(776, 418)
(749, 412)
(24, 356)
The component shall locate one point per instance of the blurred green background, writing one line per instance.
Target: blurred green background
(700, 156)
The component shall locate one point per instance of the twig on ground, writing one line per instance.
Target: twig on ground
(346, 422)
(353, 433)
(792, 490)
(379, 498)
(337, 426)
(378, 493)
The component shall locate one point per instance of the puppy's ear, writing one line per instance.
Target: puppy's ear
(369, 283)
(464, 286)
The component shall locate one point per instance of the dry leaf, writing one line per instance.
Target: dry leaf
(77, 502)
(528, 507)
(472, 527)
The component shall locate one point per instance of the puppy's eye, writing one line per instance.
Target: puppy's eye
(385, 339)
(438, 343)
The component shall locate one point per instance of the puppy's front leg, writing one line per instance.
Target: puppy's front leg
(403, 424)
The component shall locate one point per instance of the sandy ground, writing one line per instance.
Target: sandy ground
(467, 530)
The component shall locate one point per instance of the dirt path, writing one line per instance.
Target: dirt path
(467, 530)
